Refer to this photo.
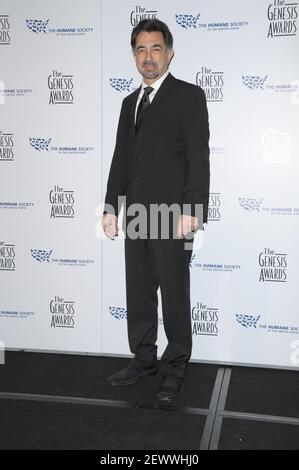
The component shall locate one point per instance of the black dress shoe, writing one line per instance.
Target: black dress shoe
(132, 373)
(170, 388)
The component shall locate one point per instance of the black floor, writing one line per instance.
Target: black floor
(52, 401)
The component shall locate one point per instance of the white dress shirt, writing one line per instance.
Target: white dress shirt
(156, 85)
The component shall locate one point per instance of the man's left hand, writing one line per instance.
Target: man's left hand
(186, 224)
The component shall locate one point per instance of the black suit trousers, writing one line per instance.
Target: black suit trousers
(150, 264)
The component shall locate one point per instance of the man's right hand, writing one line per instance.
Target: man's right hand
(109, 224)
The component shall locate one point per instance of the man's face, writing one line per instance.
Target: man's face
(151, 55)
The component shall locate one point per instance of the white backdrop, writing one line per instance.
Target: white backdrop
(50, 296)
(58, 279)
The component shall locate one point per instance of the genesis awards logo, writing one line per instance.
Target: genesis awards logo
(4, 30)
(277, 146)
(273, 266)
(7, 257)
(6, 147)
(141, 13)
(61, 88)
(205, 320)
(214, 214)
(62, 313)
(212, 84)
(62, 203)
(282, 18)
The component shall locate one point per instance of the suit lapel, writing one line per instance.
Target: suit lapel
(132, 110)
(158, 100)
(160, 96)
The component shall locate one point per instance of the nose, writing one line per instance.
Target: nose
(148, 54)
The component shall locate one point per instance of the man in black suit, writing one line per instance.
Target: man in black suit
(161, 159)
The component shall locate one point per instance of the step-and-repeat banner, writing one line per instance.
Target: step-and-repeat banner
(50, 160)
(66, 66)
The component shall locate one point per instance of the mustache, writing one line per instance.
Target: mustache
(150, 62)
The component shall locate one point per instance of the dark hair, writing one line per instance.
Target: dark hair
(149, 26)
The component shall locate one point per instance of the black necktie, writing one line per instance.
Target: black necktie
(143, 105)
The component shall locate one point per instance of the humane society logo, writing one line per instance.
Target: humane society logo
(248, 321)
(44, 256)
(22, 205)
(16, 314)
(261, 83)
(195, 21)
(254, 206)
(39, 26)
(254, 322)
(187, 21)
(254, 82)
(41, 255)
(220, 267)
(122, 84)
(41, 144)
(250, 204)
(120, 313)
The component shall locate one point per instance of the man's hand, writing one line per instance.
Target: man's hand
(186, 224)
(109, 224)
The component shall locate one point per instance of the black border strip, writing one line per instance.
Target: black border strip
(210, 421)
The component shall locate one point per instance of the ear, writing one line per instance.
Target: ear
(170, 55)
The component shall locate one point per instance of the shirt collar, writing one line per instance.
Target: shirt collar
(157, 83)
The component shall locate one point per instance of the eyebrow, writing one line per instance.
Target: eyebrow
(154, 45)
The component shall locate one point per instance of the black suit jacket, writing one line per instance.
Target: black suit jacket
(167, 160)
